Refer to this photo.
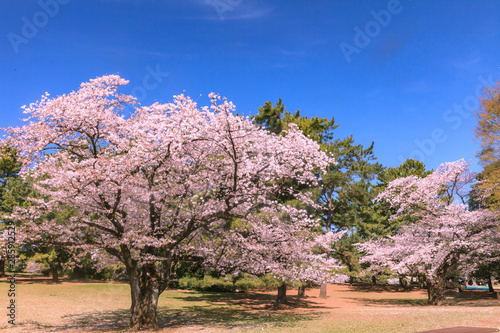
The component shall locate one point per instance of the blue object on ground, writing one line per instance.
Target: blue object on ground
(477, 288)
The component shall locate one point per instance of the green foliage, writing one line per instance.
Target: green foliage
(347, 186)
(372, 277)
(347, 190)
(226, 283)
(270, 281)
(485, 271)
(387, 226)
(249, 283)
(44, 259)
(9, 166)
(410, 167)
(208, 283)
(186, 269)
(13, 191)
(276, 119)
(349, 255)
(271, 117)
(86, 269)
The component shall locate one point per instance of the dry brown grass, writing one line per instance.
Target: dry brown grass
(86, 306)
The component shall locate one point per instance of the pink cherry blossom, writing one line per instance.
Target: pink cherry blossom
(444, 236)
(147, 189)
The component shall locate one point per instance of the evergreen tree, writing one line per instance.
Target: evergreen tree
(346, 191)
(11, 191)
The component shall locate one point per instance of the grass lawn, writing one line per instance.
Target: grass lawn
(101, 307)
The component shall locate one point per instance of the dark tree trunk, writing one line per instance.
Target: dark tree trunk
(404, 283)
(374, 279)
(145, 292)
(322, 290)
(490, 285)
(281, 298)
(302, 291)
(2, 267)
(53, 271)
(435, 291)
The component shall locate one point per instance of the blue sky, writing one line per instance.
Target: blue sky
(404, 74)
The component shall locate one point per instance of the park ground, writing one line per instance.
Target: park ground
(89, 306)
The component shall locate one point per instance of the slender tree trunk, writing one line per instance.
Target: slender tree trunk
(302, 291)
(374, 279)
(490, 285)
(53, 271)
(145, 291)
(2, 267)
(435, 291)
(281, 298)
(324, 285)
(322, 290)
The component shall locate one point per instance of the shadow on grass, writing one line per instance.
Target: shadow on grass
(231, 317)
(249, 300)
(33, 326)
(378, 288)
(97, 321)
(204, 316)
(467, 298)
(216, 310)
(473, 298)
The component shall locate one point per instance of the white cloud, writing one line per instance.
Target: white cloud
(232, 10)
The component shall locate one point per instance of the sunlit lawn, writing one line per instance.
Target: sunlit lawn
(86, 307)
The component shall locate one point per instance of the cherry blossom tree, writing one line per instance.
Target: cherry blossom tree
(284, 247)
(144, 188)
(444, 233)
(4, 250)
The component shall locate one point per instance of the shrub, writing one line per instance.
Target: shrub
(226, 283)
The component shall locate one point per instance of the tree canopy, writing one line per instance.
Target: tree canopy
(444, 236)
(150, 189)
(487, 133)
